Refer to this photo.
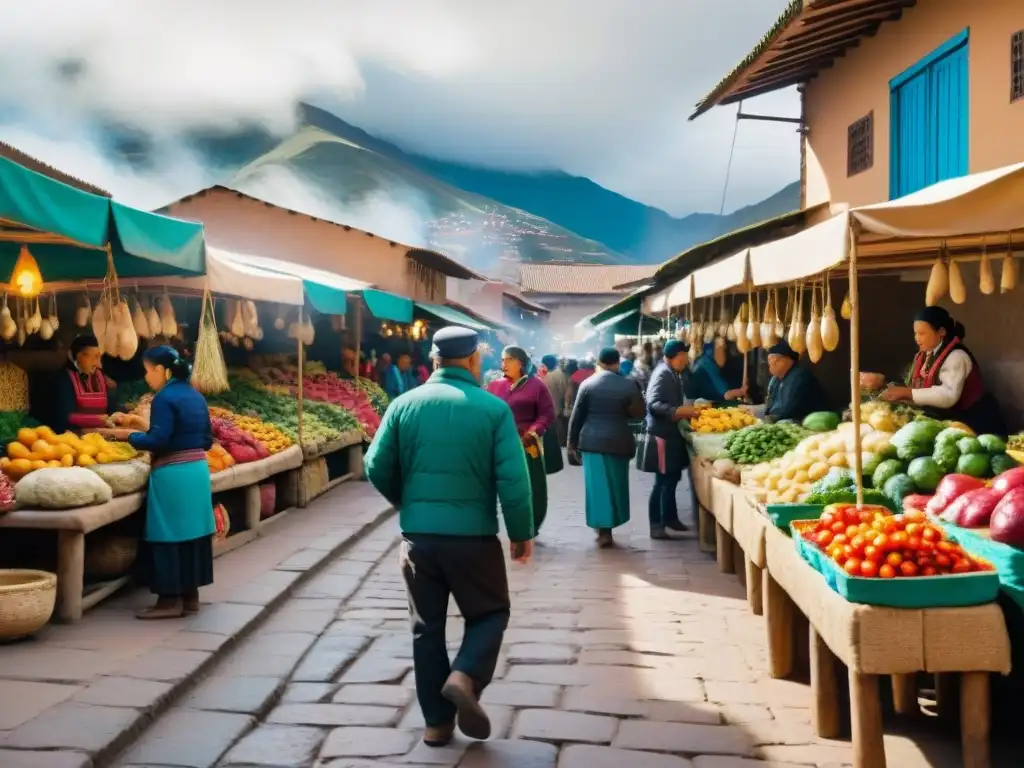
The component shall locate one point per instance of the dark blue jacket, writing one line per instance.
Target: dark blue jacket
(179, 420)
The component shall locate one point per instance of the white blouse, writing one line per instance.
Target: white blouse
(946, 392)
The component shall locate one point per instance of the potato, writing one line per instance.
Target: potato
(801, 477)
(789, 497)
(817, 471)
(838, 460)
(784, 485)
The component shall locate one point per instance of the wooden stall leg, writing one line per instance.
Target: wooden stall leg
(755, 584)
(825, 710)
(70, 575)
(723, 549)
(355, 462)
(252, 508)
(904, 694)
(778, 614)
(866, 721)
(705, 530)
(975, 715)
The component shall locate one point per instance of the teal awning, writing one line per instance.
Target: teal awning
(453, 316)
(325, 299)
(631, 303)
(143, 244)
(388, 306)
(627, 323)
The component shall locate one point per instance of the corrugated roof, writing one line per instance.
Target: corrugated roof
(807, 38)
(16, 155)
(580, 278)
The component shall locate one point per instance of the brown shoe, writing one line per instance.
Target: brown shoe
(190, 602)
(472, 720)
(439, 735)
(164, 608)
(604, 538)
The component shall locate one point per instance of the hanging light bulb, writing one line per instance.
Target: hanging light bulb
(26, 279)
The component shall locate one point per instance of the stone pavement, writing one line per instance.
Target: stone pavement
(640, 657)
(80, 691)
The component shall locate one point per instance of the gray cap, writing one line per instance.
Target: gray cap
(455, 342)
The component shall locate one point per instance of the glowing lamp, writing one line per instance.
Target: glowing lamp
(26, 279)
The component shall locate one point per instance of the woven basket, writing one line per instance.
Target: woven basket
(26, 601)
(109, 557)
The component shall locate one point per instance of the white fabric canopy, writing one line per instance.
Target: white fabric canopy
(802, 255)
(675, 295)
(724, 275)
(991, 202)
(312, 274)
(235, 274)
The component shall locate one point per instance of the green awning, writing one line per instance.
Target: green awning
(453, 316)
(388, 306)
(325, 299)
(627, 323)
(143, 244)
(161, 239)
(631, 303)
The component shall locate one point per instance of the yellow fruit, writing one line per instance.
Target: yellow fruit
(19, 467)
(85, 460)
(54, 464)
(43, 450)
(104, 458)
(17, 451)
(67, 460)
(38, 464)
(45, 433)
(27, 436)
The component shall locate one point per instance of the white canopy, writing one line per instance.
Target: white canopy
(312, 274)
(674, 296)
(724, 275)
(991, 202)
(234, 274)
(804, 254)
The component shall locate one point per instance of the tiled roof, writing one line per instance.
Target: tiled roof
(580, 278)
(806, 38)
(19, 157)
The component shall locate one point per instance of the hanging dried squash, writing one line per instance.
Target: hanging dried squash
(957, 289)
(987, 284)
(938, 283)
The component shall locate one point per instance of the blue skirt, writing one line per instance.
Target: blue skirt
(606, 480)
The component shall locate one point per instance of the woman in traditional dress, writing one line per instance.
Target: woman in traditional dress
(945, 378)
(599, 429)
(534, 413)
(178, 551)
(84, 397)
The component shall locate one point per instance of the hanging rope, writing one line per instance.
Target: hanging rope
(728, 167)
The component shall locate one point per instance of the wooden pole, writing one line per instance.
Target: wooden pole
(299, 401)
(855, 366)
(358, 306)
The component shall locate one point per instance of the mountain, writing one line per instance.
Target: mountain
(482, 217)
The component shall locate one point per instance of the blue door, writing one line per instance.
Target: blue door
(930, 119)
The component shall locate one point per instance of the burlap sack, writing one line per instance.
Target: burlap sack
(966, 640)
(748, 527)
(700, 472)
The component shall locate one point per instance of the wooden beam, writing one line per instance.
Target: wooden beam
(808, 66)
(821, 53)
(749, 92)
(856, 25)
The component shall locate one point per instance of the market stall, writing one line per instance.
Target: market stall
(910, 474)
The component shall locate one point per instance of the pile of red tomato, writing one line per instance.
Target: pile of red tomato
(871, 542)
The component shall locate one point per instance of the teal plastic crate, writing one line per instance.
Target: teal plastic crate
(954, 591)
(1008, 561)
(784, 514)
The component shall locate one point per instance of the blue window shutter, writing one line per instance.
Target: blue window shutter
(951, 107)
(911, 151)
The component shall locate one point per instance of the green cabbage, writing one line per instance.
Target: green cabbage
(916, 439)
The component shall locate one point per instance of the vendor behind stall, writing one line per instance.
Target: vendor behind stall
(708, 380)
(945, 378)
(84, 397)
(793, 392)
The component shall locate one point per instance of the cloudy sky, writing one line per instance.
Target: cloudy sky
(598, 88)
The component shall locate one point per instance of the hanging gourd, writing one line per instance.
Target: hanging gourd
(938, 283)
(739, 328)
(829, 326)
(798, 329)
(768, 322)
(753, 327)
(815, 350)
(987, 284)
(140, 321)
(957, 289)
(54, 319)
(1008, 278)
(8, 328)
(83, 312)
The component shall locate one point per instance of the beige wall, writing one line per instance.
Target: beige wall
(244, 225)
(859, 83)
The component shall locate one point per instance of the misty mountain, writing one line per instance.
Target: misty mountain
(477, 215)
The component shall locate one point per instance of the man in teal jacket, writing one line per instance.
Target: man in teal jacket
(445, 453)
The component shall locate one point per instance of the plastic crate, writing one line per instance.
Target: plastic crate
(784, 514)
(953, 591)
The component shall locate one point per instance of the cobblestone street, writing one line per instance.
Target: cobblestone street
(642, 657)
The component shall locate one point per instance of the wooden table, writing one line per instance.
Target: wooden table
(872, 642)
(71, 526)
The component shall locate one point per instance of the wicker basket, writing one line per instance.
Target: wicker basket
(26, 601)
(109, 557)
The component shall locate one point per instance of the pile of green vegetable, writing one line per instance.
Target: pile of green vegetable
(926, 451)
(11, 422)
(763, 442)
(838, 487)
(378, 397)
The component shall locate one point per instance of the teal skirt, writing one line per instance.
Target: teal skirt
(179, 505)
(606, 481)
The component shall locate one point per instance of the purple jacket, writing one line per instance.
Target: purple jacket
(530, 401)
